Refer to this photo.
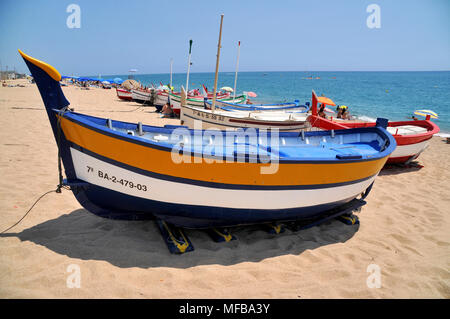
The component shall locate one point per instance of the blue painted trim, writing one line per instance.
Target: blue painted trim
(233, 108)
(234, 126)
(276, 106)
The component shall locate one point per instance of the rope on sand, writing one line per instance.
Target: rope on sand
(29, 210)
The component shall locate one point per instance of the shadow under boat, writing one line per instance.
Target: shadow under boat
(398, 168)
(126, 244)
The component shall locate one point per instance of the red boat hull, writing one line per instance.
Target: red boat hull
(123, 94)
(409, 146)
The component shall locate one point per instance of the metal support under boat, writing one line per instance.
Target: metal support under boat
(178, 242)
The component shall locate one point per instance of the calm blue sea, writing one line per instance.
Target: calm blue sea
(393, 95)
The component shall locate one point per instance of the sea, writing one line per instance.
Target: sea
(391, 95)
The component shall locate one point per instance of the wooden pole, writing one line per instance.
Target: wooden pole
(213, 106)
(189, 66)
(237, 66)
(183, 97)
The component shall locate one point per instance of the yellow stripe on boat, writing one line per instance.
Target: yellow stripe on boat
(160, 161)
(51, 71)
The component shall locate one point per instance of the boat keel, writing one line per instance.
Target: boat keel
(347, 209)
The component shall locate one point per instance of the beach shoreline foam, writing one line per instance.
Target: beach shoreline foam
(403, 230)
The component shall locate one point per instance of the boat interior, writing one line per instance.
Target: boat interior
(327, 145)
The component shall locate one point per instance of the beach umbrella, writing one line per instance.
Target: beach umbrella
(432, 114)
(105, 82)
(118, 80)
(252, 94)
(226, 89)
(325, 100)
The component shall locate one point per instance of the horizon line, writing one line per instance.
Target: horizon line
(280, 71)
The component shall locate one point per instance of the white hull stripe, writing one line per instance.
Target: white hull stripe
(209, 123)
(409, 150)
(100, 173)
(140, 96)
(124, 94)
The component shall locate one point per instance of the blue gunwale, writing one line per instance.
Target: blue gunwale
(259, 107)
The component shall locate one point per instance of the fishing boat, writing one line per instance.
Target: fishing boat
(161, 98)
(123, 94)
(235, 106)
(195, 116)
(142, 96)
(198, 101)
(201, 179)
(412, 137)
(221, 119)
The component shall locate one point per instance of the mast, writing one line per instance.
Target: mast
(189, 65)
(213, 107)
(171, 63)
(237, 66)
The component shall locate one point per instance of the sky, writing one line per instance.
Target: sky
(323, 35)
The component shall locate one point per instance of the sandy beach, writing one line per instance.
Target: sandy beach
(404, 230)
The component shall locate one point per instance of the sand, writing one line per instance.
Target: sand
(404, 230)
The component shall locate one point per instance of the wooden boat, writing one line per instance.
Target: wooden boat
(412, 137)
(142, 96)
(235, 106)
(162, 97)
(131, 171)
(198, 101)
(220, 119)
(123, 94)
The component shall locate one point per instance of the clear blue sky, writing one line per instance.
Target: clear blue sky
(276, 35)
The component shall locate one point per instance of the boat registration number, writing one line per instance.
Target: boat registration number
(209, 116)
(126, 183)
